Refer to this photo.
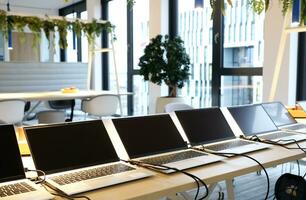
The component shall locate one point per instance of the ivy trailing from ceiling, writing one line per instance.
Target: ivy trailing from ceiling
(50, 26)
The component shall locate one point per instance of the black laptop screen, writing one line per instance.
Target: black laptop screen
(252, 119)
(204, 125)
(148, 135)
(62, 147)
(278, 113)
(11, 167)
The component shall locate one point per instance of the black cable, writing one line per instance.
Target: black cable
(163, 167)
(60, 193)
(304, 175)
(299, 169)
(243, 155)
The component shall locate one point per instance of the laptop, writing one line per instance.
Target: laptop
(155, 140)
(282, 118)
(78, 157)
(13, 182)
(253, 120)
(208, 127)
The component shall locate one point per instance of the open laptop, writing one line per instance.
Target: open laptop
(155, 139)
(253, 120)
(78, 157)
(208, 127)
(282, 118)
(13, 182)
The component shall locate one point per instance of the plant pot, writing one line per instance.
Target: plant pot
(162, 101)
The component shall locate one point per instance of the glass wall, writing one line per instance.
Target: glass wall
(118, 17)
(1, 47)
(195, 28)
(140, 40)
(242, 48)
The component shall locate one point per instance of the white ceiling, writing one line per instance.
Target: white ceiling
(40, 4)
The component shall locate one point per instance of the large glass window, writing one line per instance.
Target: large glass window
(241, 52)
(118, 17)
(140, 40)
(195, 28)
(1, 47)
(229, 77)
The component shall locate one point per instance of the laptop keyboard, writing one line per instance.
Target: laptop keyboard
(91, 173)
(13, 189)
(228, 145)
(276, 135)
(160, 160)
(297, 126)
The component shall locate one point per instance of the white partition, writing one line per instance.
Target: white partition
(29, 77)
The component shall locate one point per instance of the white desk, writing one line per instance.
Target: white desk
(162, 185)
(54, 95)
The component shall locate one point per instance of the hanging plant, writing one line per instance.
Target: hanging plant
(3, 23)
(62, 28)
(49, 28)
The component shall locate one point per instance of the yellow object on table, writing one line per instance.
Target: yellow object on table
(70, 90)
(296, 113)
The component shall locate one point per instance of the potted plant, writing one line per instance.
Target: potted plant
(165, 61)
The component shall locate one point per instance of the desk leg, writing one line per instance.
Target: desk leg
(31, 110)
(230, 189)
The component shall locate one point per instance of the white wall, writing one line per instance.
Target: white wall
(286, 87)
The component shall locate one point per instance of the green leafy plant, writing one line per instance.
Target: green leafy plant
(165, 60)
(49, 26)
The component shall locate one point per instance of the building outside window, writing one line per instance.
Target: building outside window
(241, 49)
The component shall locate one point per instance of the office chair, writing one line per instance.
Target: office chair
(101, 105)
(12, 111)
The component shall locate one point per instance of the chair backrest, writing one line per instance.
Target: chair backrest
(171, 107)
(51, 116)
(12, 111)
(102, 105)
(61, 104)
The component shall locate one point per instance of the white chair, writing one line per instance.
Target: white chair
(171, 107)
(101, 106)
(12, 111)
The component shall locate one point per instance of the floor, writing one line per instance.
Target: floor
(254, 187)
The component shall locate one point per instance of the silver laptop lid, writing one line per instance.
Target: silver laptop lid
(67, 146)
(148, 135)
(204, 125)
(252, 119)
(278, 113)
(11, 167)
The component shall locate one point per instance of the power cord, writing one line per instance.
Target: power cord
(59, 193)
(243, 155)
(164, 168)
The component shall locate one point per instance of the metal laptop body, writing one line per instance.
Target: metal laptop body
(208, 127)
(156, 140)
(80, 157)
(253, 120)
(13, 182)
(282, 118)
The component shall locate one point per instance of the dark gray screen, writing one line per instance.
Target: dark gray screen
(148, 135)
(68, 146)
(11, 167)
(252, 119)
(204, 125)
(278, 113)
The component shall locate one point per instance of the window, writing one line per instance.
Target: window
(77, 49)
(198, 88)
(1, 47)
